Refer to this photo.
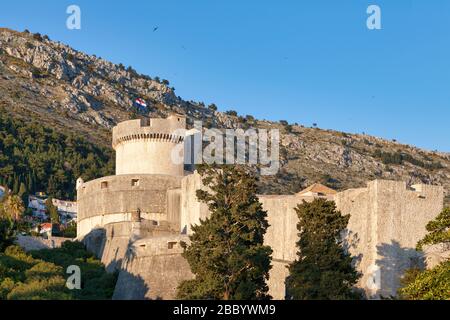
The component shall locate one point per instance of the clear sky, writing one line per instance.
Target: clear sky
(310, 61)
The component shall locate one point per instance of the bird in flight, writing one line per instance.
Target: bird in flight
(155, 28)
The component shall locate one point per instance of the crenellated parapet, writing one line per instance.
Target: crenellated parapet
(163, 130)
(150, 146)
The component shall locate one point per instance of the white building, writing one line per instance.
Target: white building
(66, 209)
(37, 205)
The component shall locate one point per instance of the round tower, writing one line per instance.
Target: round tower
(150, 146)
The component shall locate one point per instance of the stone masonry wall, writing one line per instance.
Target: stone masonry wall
(153, 269)
(113, 199)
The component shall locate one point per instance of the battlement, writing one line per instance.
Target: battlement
(150, 146)
(115, 198)
(168, 130)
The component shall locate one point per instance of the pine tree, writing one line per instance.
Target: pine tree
(430, 284)
(227, 254)
(323, 269)
(438, 230)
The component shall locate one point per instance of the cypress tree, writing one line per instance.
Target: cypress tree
(22, 190)
(16, 185)
(226, 253)
(9, 181)
(323, 269)
(52, 210)
(23, 193)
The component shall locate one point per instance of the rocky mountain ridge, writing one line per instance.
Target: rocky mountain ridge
(49, 82)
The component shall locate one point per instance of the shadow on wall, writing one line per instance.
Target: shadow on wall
(131, 287)
(128, 286)
(95, 241)
(350, 245)
(393, 261)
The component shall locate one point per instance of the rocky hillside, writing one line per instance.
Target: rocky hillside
(56, 85)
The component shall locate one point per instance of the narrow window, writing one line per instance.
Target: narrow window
(135, 182)
(171, 245)
(104, 185)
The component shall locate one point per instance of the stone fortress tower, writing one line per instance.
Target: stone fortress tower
(144, 174)
(138, 221)
(143, 147)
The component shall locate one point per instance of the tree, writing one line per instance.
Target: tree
(432, 284)
(231, 113)
(40, 275)
(226, 253)
(212, 107)
(12, 207)
(7, 233)
(23, 193)
(52, 210)
(323, 269)
(438, 230)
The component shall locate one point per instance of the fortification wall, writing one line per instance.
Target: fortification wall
(402, 215)
(387, 220)
(191, 209)
(153, 269)
(360, 204)
(141, 145)
(113, 199)
(282, 237)
(436, 254)
(174, 209)
(111, 242)
(29, 243)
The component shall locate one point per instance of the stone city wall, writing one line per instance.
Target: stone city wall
(113, 199)
(153, 269)
(386, 221)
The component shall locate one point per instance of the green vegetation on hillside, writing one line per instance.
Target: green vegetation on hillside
(42, 159)
(400, 157)
(41, 275)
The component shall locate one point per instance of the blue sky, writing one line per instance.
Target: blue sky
(309, 61)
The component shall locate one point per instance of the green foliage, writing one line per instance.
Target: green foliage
(38, 37)
(52, 210)
(70, 231)
(323, 269)
(212, 107)
(227, 254)
(40, 275)
(7, 233)
(438, 230)
(46, 160)
(431, 284)
(231, 113)
(400, 157)
(11, 207)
